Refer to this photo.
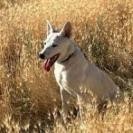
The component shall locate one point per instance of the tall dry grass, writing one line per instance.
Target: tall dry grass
(28, 95)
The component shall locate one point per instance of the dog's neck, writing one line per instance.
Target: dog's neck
(71, 51)
(68, 57)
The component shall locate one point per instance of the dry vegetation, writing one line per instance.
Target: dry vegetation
(28, 95)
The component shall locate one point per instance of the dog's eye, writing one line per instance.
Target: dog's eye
(54, 45)
(43, 44)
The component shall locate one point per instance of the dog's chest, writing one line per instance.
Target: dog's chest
(67, 78)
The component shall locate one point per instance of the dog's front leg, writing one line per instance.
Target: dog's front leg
(63, 106)
(62, 99)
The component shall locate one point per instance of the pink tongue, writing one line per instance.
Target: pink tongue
(47, 65)
(49, 62)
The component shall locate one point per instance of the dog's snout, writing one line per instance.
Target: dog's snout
(41, 55)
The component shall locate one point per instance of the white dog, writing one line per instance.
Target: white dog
(72, 70)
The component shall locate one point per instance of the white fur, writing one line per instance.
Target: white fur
(77, 72)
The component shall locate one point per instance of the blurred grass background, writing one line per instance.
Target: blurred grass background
(104, 30)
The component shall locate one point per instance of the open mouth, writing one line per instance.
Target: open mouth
(48, 63)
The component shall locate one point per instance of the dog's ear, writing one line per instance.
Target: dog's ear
(66, 30)
(50, 28)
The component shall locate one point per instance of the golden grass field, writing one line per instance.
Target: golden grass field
(28, 95)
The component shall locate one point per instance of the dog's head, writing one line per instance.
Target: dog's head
(56, 45)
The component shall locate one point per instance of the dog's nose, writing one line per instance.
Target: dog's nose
(41, 56)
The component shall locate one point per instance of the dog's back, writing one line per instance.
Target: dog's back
(100, 83)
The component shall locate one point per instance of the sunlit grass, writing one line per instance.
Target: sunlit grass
(104, 30)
